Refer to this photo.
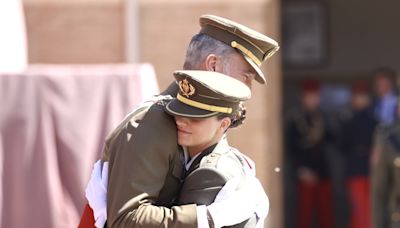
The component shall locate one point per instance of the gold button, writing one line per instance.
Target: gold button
(397, 162)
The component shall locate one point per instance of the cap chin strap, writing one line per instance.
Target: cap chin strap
(203, 106)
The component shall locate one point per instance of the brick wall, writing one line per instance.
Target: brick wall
(82, 31)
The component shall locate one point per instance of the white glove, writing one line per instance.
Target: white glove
(235, 204)
(96, 192)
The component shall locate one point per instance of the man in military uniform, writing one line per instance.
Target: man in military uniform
(386, 98)
(145, 167)
(357, 131)
(386, 177)
(307, 137)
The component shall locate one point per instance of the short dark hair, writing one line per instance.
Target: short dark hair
(200, 47)
(386, 72)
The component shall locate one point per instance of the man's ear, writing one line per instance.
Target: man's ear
(211, 62)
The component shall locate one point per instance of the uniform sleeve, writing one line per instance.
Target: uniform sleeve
(202, 221)
(293, 155)
(378, 137)
(344, 140)
(380, 189)
(140, 159)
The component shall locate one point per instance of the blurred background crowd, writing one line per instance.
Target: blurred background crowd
(324, 132)
(342, 153)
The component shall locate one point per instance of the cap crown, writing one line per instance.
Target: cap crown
(205, 93)
(211, 85)
(260, 41)
(255, 46)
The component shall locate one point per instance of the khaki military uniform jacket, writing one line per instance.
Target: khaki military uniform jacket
(145, 172)
(386, 180)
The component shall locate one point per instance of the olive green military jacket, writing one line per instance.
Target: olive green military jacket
(145, 172)
(386, 180)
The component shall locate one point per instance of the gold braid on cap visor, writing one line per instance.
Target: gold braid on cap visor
(246, 51)
(203, 106)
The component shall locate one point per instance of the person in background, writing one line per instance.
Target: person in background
(307, 136)
(386, 99)
(386, 178)
(384, 107)
(356, 144)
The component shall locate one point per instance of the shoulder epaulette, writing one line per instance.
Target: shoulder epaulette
(211, 160)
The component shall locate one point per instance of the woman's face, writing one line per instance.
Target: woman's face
(198, 134)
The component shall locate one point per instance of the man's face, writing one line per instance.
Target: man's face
(311, 100)
(198, 133)
(359, 101)
(382, 85)
(237, 67)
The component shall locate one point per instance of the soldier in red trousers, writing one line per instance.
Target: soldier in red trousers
(357, 136)
(307, 136)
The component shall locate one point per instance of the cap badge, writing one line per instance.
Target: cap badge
(186, 88)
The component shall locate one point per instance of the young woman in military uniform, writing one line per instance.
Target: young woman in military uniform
(206, 106)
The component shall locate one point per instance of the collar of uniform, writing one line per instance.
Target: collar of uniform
(195, 161)
(188, 162)
(222, 145)
(216, 148)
